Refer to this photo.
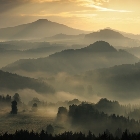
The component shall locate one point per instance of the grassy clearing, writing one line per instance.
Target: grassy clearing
(26, 120)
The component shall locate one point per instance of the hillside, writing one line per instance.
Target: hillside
(64, 36)
(38, 29)
(129, 35)
(97, 55)
(15, 82)
(106, 33)
(115, 38)
(119, 81)
(134, 50)
(12, 51)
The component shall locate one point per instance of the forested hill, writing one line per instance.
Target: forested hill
(120, 81)
(16, 82)
(97, 55)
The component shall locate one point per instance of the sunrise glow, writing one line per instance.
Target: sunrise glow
(87, 15)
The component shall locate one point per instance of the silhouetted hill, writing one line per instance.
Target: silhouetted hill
(97, 55)
(119, 81)
(16, 82)
(106, 33)
(7, 46)
(129, 35)
(64, 37)
(11, 51)
(134, 50)
(113, 37)
(22, 45)
(132, 36)
(38, 29)
(100, 46)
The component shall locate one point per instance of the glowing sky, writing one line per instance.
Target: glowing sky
(92, 15)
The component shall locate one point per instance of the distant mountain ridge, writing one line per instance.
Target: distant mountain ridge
(105, 33)
(45, 30)
(63, 37)
(38, 29)
(134, 50)
(98, 55)
(113, 37)
(129, 35)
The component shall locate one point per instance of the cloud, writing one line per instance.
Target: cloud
(99, 8)
(98, 5)
(82, 14)
(6, 5)
(94, 14)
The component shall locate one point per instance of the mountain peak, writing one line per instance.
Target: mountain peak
(110, 31)
(101, 46)
(41, 20)
(105, 33)
(38, 29)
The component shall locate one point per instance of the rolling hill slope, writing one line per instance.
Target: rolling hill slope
(16, 82)
(113, 37)
(97, 55)
(38, 29)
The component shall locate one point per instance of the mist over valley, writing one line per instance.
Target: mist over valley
(58, 81)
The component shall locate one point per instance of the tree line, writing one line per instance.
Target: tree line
(87, 117)
(43, 135)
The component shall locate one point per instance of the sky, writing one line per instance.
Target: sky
(89, 15)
